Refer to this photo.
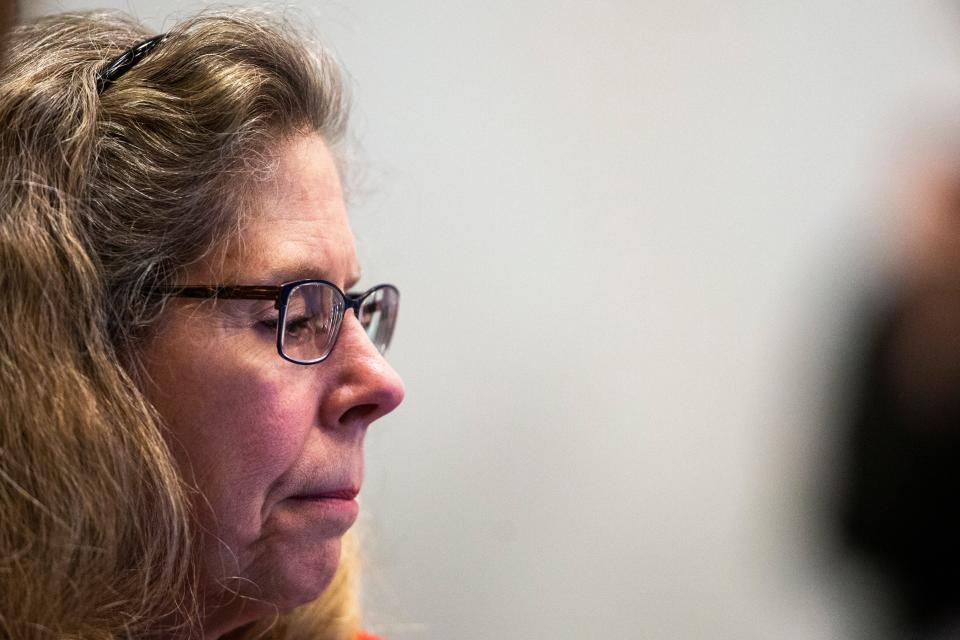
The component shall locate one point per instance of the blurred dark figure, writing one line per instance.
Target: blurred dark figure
(900, 508)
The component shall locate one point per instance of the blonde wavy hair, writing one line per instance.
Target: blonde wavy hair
(103, 198)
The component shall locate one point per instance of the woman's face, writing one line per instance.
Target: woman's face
(261, 437)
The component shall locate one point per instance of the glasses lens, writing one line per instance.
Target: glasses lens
(378, 314)
(311, 322)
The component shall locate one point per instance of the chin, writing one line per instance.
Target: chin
(291, 580)
(301, 577)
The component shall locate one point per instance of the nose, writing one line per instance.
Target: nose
(365, 386)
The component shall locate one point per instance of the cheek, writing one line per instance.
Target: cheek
(236, 426)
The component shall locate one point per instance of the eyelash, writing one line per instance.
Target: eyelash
(271, 323)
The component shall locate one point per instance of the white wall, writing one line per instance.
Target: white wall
(626, 234)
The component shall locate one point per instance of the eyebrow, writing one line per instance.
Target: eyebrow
(305, 271)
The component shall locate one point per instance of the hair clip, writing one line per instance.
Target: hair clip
(111, 72)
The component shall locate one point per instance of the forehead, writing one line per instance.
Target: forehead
(297, 226)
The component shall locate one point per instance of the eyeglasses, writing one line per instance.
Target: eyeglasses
(310, 313)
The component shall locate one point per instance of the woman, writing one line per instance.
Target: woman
(184, 386)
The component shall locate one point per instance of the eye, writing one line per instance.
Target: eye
(369, 310)
(297, 325)
(295, 328)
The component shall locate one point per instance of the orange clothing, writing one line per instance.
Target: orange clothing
(363, 635)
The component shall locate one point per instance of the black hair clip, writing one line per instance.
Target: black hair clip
(111, 72)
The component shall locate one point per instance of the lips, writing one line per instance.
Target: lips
(324, 510)
(344, 493)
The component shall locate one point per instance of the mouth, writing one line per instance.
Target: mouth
(335, 510)
(344, 493)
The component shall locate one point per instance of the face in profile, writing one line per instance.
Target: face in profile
(267, 441)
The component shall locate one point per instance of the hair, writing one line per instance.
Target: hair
(8, 12)
(103, 198)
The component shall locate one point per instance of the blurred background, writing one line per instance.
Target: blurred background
(645, 251)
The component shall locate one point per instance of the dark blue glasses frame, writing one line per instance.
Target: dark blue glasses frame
(379, 302)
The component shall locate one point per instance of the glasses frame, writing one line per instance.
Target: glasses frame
(280, 295)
